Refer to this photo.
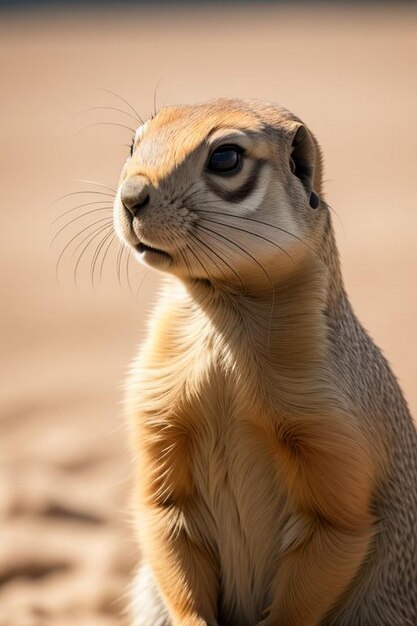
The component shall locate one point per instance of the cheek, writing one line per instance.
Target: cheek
(281, 212)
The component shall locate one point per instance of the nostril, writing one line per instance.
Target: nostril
(139, 205)
(135, 194)
(135, 207)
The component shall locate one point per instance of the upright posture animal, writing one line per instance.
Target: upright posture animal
(277, 460)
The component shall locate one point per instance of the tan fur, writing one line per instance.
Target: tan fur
(257, 472)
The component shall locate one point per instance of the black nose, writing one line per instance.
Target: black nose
(135, 194)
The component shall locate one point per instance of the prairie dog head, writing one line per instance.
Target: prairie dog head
(227, 192)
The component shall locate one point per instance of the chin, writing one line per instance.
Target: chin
(152, 257)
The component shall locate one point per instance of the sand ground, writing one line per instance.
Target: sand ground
(67, 546)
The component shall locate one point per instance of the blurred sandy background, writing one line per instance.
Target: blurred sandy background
(67, 548)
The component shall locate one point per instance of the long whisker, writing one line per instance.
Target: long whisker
(97, 254)
(186, 261)
(100, 228)
(127, 269)
(259, 265)
(223, 261)
(338, 217)
(213, 232)
(127, 272)
(123, 100)
(79, 217)
(132, 130)
(204, 201)
(79, 206)
(248, 232)
(76, 193)
(105, 254)
(109, 222)
(203, 247)
(93, 182)
(251, 219)
(195, 255)
(90, 241)
(224, 250)
(191, 249)
(119, 263)
(146, 272)
(184, 258)
(192, 194)
(108, 109)
(154, 97)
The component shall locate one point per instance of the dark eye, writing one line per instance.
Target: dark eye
(225, 160)
(132, 143)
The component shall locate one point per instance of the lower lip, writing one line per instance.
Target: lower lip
(143, 250)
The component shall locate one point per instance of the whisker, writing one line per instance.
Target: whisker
(97, 254)
(184, 258)
(224, 250)
(259, 265)
(123, 100)
(154, 97)
(132, 130)
(204, 201)
(144, 275)
(248, 232)
(102, 227)
(242, 217)
(202, 248)
(105, 108)
(82, 254)
(193, 193)
(110, 221)
(238, 246)
(146, 272)
(338, 217)
(195, 255)
(105, 254)
(79, 206)
(90, 241)
(93, 182)
(76, 193)
(79, 217)
(119, 263)
(127, 272)
(223, 261)
(186, 261)
(251, 219)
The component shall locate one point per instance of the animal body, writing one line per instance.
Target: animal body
(277, 460)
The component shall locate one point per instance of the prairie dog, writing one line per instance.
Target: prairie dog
(277, 460)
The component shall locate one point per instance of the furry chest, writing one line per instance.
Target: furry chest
(242, 512)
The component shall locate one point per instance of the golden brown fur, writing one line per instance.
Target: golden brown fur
(259, 470)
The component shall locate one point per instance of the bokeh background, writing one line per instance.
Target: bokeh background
(349, 70)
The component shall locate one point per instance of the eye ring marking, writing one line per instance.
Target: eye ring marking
(225, 160)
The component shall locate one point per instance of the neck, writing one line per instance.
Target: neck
(277, 336)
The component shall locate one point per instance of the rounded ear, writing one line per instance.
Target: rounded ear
(305, 159)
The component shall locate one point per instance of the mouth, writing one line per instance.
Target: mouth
(144, 250)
